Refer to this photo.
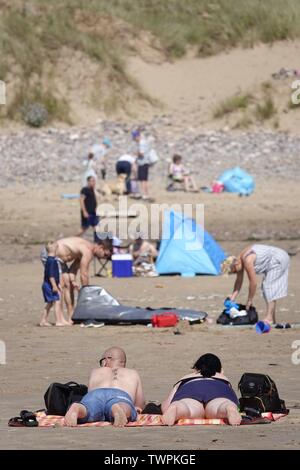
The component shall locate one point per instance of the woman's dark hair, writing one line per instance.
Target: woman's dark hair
(177, 158)
(208, 365)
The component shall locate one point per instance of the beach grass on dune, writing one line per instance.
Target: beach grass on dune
(33, 34)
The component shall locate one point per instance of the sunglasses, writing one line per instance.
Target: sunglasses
(103, 359)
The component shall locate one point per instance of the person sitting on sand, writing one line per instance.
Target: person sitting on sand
(178, 173)
(205, 393)
(79, 253)
(142, 249)
(51, 288)
(114, 393)
(270, 261)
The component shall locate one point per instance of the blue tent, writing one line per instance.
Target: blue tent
(236, 180)
(187, 249)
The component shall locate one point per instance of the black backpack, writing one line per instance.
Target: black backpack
(59, 397)
(259, 395)
(250, 319)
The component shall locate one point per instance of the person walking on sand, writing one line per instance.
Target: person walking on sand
(272, 263)
(52, 289)
(205, 393)
(143, 162)
(115, 393)
(100, 152)
(88, 206)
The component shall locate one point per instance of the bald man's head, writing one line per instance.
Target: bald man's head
(113, 357)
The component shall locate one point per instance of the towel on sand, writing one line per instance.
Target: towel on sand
(153, 420)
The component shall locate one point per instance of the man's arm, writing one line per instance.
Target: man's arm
(82, 205)
(93, 379)
(86, 258)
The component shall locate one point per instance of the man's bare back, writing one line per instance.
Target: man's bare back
(73, 248)
(121, 378)
(114, 392)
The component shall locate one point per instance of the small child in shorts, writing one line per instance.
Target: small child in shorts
(51, 288)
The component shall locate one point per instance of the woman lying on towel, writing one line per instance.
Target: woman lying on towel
(206, 393)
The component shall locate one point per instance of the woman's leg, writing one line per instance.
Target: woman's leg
(223, 408)
(185, 408)
(271, 310)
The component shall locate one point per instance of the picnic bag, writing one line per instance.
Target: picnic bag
(250, 319)
(59, 397)
(260, 394)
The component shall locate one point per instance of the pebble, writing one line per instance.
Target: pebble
(51, 155)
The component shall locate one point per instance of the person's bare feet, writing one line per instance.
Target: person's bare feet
(44, 323)
(169, 417)
(233, 415)
(119, 415)
(72, 416)
(268, 320)
(63, 323)
(70, 322)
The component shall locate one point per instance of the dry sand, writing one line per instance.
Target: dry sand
(190, 88)
(37, 357)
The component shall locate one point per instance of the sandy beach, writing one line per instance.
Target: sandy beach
(36, 357)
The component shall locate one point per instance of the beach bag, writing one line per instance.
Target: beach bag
(164, 320)
(59, 397)
(153, 157)
(259, 394)
(250, 319)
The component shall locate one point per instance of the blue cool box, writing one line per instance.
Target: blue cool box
(121, 265)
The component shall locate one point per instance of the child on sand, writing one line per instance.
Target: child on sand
(51, 288)
(178, 173)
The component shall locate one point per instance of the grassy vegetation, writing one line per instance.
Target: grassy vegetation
(34, 32)
(232, 104)
(266, 109)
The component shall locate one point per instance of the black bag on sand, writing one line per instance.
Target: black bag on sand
(59, 397)
(259, 395)
(250, 319)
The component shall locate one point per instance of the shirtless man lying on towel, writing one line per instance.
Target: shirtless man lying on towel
(115, 393)
(79, 253)
(206, 393)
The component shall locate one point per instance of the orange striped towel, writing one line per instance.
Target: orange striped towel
(143, 420)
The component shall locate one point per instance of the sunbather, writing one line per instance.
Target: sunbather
(270, 261)
(205, 393)
(115, 393)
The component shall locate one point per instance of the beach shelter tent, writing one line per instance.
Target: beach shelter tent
(187, 249)
(237, 180)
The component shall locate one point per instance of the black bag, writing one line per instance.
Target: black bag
(259, 394)
(59, 397)
(250, 319)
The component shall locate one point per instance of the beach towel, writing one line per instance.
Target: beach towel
(154, 420)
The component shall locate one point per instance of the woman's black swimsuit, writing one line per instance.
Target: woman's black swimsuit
(204, 390)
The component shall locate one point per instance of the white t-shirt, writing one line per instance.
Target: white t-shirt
(145, 149)
(127, 158)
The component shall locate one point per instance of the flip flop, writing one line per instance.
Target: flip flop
(29, 419)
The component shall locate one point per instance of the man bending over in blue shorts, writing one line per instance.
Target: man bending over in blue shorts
(115, 393)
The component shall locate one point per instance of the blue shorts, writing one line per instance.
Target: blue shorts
(49, 295)
(91, 221)
(98, 404)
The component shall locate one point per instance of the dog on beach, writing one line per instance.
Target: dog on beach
(117, 186)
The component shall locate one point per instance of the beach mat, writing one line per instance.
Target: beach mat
(95, 303)
(47, 421)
